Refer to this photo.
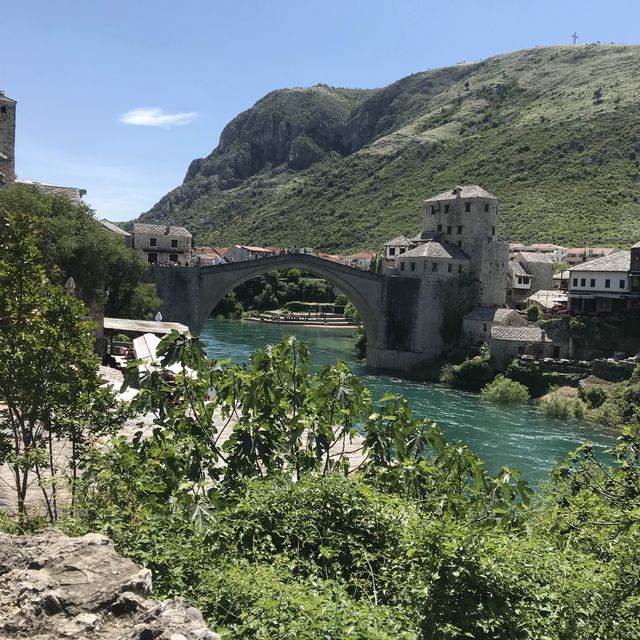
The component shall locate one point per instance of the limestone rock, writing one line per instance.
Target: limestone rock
(53, 586)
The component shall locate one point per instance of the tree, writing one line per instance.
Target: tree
(48, 375)
(72, 243)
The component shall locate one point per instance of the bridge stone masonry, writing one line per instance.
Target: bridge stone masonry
(412, 312)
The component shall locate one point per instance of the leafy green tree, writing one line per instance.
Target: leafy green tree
(48, 374)
(72, 243)
(534, 312)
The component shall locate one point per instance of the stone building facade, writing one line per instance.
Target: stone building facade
(477, 324)
(7, 139)
(163, 245)
(528, 272)
(454, 265)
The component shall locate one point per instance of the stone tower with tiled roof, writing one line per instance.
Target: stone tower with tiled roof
(467, 217)
(7, 139)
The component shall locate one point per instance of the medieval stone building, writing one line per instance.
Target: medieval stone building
(7, 139)
(455, 265)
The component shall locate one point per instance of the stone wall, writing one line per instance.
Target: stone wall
(7, 139)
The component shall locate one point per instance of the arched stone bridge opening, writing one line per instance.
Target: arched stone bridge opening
(190, 294)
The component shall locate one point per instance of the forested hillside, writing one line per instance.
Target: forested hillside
(554, 132)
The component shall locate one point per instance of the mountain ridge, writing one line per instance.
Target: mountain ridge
(553, 131)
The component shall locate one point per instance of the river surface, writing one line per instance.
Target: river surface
(518, 437)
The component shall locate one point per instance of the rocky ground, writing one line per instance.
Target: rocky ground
(53, 586)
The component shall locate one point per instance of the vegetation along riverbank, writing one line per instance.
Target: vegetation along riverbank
(271, 534)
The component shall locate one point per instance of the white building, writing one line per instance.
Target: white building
(602, 285)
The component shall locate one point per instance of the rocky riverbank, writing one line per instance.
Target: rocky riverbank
(53, 586)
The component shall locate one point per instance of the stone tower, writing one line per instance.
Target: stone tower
(467, 217)
(7, 139)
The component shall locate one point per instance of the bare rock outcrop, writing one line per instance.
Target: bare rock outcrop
(53, 586)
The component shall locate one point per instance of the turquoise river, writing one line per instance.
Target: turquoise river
(519, 437)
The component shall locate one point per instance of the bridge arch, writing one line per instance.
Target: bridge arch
(363, 288)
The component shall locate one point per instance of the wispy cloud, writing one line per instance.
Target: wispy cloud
(155, 117)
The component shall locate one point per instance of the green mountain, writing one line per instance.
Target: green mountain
(554, 132)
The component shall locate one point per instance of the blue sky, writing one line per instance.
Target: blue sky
(80, 66)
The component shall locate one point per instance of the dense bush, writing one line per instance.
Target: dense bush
(505, 391)
(558, 405)
(529, 374)
(534, 312)
(471, 374)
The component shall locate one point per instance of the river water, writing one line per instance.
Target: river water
(518, 437)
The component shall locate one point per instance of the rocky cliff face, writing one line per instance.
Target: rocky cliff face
(53, 586)
(295, 127)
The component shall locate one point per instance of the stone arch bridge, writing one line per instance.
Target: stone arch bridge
(388, 306)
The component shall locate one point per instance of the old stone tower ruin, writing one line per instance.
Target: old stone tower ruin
(7, 139)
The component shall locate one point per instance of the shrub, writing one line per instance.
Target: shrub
(471, 374)
(505, 391)
(558, 405)
(594, 396)
(529, 374)
(534, 312)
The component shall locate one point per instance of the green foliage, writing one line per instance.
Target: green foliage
(351, 314)
(594, 396)
(73, 244)
(529, 374)
(272, 291)
(505, 391)
(526, 125)
(418, 541)
(48, 375)
(473, 373)
(558, 405)
(534, 312)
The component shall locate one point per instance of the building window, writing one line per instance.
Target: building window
(439, 227)
(3, 109)
(484, 327)
(402, 266)
(173, 257)
(622, 284)
(459, 268)
(592, 283)
(521, 349)
(413, 266)
(152, 258)
(449, 268)
(392, 251)
(174, 244)
(583, 282)
(446, 208)
(493, 231)
(460, 243)
(459, 229)
(153, 242)
(433, 209)
(449, 230)
(575, 282)
(467, 206)
(402, 251)
(434, 267)
(607, 284)
(486, 207)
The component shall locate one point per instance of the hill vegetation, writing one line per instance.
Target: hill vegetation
(552, 131)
